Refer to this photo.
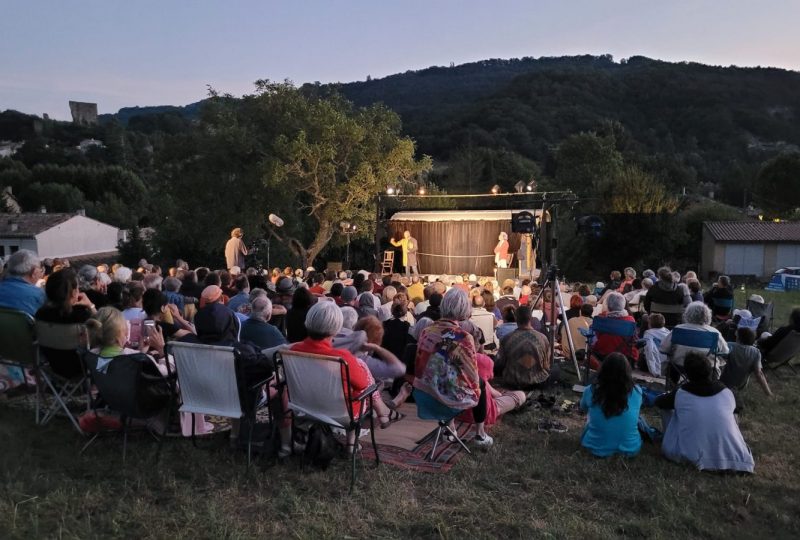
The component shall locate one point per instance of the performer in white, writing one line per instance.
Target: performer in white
(501, 251)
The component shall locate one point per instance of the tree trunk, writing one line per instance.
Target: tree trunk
(324, 235)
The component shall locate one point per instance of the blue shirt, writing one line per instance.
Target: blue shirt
(16, 293)
(619, 434)
(238, 301)
(263, 334)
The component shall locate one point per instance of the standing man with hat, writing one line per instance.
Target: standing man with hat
(235, 250)
(409, 245)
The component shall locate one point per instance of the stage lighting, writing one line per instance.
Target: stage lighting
(519, 186)
(344, 225)
(421, 191)
(390, 190)
(531, 186)
(495, 189)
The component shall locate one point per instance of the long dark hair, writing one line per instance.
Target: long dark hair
(59, 289)
(614, 383)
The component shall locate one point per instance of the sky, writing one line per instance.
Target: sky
(166, 52)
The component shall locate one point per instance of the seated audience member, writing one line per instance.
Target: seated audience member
(347, 338)
(489, 304)
(90, 284)
(694, 290)
(524, 355)
(382, 363)
(349, 297)
(387, 297)
(613, 404)
(241, 298)
(668, 296)
(316, 288)
(606, 344)
(421, 306)
(432, 312)
(635, 295)
(626, 285)
(652, 358)
(524, 294)
(323, 321)
(214, 322)
(509, 323)
(153, 281)
(498, 402)
(575, 303)
(257, 330)
(189, 285)
(507, 298)
(416, 291)
(697, 317)
(614, 284)
(367, 303)
(302, 300)
(451, 379)
(583, 321)
(396, 331)
(114, 292)
(743, 360)
(18, 290)
(123, 274)
(166, 316)
(721, 293)
(768, 342)
(700, 427)
(132, 302)
(64, 305)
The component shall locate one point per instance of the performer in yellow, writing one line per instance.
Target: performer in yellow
(409, 245)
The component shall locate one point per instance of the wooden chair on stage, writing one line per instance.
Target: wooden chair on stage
(387, 266)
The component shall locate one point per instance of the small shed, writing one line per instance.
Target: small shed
(748, 248)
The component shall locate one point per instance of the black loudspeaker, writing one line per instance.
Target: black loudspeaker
(523, 222)
(335, 266)
(506, 273)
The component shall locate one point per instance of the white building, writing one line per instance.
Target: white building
(56, 235)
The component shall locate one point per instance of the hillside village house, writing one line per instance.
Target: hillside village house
(73, 236)
(749, 248)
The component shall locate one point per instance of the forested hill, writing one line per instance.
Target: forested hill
(690, 123)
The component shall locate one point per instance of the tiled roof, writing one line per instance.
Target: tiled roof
(754, 231)
(29, 224)
(94, 259)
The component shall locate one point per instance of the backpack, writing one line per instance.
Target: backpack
(252, 366)
(321, 446)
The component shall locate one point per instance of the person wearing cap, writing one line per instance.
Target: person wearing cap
(349, 296)
(235, 250)
(409, 245)
(214, 322)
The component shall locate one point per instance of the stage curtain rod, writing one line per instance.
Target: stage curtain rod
(490, 195)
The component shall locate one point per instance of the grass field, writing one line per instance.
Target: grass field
(529, 485)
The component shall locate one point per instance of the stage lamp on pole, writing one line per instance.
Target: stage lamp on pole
(531, 186)
(348, 229)
(519, 186)
(421, 190)
(390, 190)
(495, 189)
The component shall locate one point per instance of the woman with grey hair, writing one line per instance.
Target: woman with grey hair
(366, 305)
(89, 283)
(446, 368)
(606, 344)
(696, 317)
(667, 298)
(323, 321)
(123, 274)
(629, 274)
(256, 329)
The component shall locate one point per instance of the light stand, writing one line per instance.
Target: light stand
(552, 282)
(348, 230)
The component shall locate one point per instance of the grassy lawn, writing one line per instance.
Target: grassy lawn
(529, 485)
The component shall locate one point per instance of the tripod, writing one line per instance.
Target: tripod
(553, 284)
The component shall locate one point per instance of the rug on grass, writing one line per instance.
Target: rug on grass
(406, 443)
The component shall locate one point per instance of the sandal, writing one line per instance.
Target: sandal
(393, 416)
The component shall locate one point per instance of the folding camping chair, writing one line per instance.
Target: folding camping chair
(607, 325)
(131, 385)
(722, 303)
(387, 265)
(703, 340)
(784, 352)
(765, 311)
(319, 389)
(207, 377)
(69, 340)
(429, 408)
(18, 344)
(671, 312)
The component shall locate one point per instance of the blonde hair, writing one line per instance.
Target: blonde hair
(105, 326)
(236, 233)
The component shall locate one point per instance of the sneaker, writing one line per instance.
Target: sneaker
(484, 442)
(552, 425)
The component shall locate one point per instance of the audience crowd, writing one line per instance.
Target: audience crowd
(468, 344)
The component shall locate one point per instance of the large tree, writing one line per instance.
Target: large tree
(314, 159)
(777, 187)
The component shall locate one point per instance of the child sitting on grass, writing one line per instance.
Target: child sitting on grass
(744, 360)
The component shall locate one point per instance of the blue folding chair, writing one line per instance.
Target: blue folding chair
(696, 339)
(607, 325)
(429, 408)
(722, 303)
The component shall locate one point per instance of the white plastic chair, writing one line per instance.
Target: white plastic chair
(485, 321)
(319, 389)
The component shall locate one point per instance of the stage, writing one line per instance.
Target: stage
(458, 241)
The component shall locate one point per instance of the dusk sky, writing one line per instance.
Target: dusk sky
(165, 52)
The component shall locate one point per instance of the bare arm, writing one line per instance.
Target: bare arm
(762, 381)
